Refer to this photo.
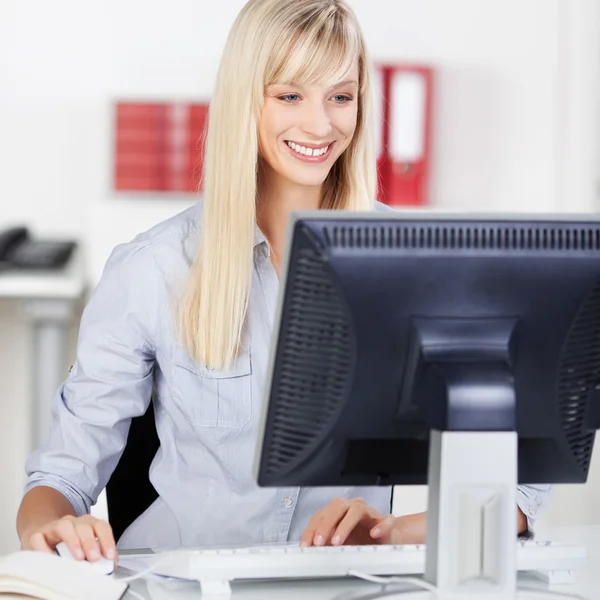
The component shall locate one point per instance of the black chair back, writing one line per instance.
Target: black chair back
(129, 491)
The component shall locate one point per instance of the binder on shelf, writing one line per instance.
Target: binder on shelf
(157, 146)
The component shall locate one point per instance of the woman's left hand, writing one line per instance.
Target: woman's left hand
(354, 522)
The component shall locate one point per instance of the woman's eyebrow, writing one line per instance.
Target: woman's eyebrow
(293, 84)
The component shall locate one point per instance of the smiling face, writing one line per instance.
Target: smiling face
(303, 129)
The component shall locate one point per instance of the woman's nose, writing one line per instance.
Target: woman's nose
(317, 123)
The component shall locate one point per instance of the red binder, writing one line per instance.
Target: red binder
(404, 107)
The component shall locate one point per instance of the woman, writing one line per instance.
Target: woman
(189, 305)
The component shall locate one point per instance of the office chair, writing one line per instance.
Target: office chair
(129, 491)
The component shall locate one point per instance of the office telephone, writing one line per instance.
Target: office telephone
(19, 251)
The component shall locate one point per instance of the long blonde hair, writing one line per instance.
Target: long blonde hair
(271, 41)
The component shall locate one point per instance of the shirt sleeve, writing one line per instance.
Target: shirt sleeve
(532, 499)
(109, 383)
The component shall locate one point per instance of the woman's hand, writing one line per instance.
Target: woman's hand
(354, 522)
(86, 537)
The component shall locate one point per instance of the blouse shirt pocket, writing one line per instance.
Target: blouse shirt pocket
(213, 397)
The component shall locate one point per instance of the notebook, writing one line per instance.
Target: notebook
(42, 576)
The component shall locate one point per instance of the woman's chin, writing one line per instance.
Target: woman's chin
(307, 179)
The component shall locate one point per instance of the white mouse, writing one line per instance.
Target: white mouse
(103, 566)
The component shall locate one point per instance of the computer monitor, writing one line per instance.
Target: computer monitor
(420, 347)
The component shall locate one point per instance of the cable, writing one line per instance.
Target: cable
(425, 585)
(149, 571)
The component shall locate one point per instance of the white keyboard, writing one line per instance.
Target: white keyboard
(222, 565)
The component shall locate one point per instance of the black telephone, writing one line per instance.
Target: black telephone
(19, 251)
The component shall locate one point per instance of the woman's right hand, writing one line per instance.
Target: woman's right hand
(86, 537)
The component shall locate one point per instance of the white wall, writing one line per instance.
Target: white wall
(515, 129)
(14, 411)
(514, 105)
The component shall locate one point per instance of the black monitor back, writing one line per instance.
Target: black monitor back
(368, 299)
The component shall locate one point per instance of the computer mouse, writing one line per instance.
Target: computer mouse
(103, 566)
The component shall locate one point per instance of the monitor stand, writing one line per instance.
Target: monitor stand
(472, 514)
(462, 374)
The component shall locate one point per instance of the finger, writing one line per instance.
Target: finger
(106, 538)
(359, 512)
(86, 535)
(347, 524)
(383, 529)
(330, 520)
(65, 532)
(38, 542)
(309, 533)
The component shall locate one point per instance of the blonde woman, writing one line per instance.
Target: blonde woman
(190, 303)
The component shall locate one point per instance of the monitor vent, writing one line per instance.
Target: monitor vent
(314, 366)
(405, 235)
(579, 373)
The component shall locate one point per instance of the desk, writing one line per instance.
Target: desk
(587, 586)
(48, 299)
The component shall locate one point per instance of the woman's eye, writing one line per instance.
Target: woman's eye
(342, 98)
(289, 97)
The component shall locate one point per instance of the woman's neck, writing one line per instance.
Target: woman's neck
(277, 198)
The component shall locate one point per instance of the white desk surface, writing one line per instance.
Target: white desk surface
(587, 586)
(66, 284)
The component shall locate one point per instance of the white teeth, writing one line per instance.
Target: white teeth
(307, 151)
